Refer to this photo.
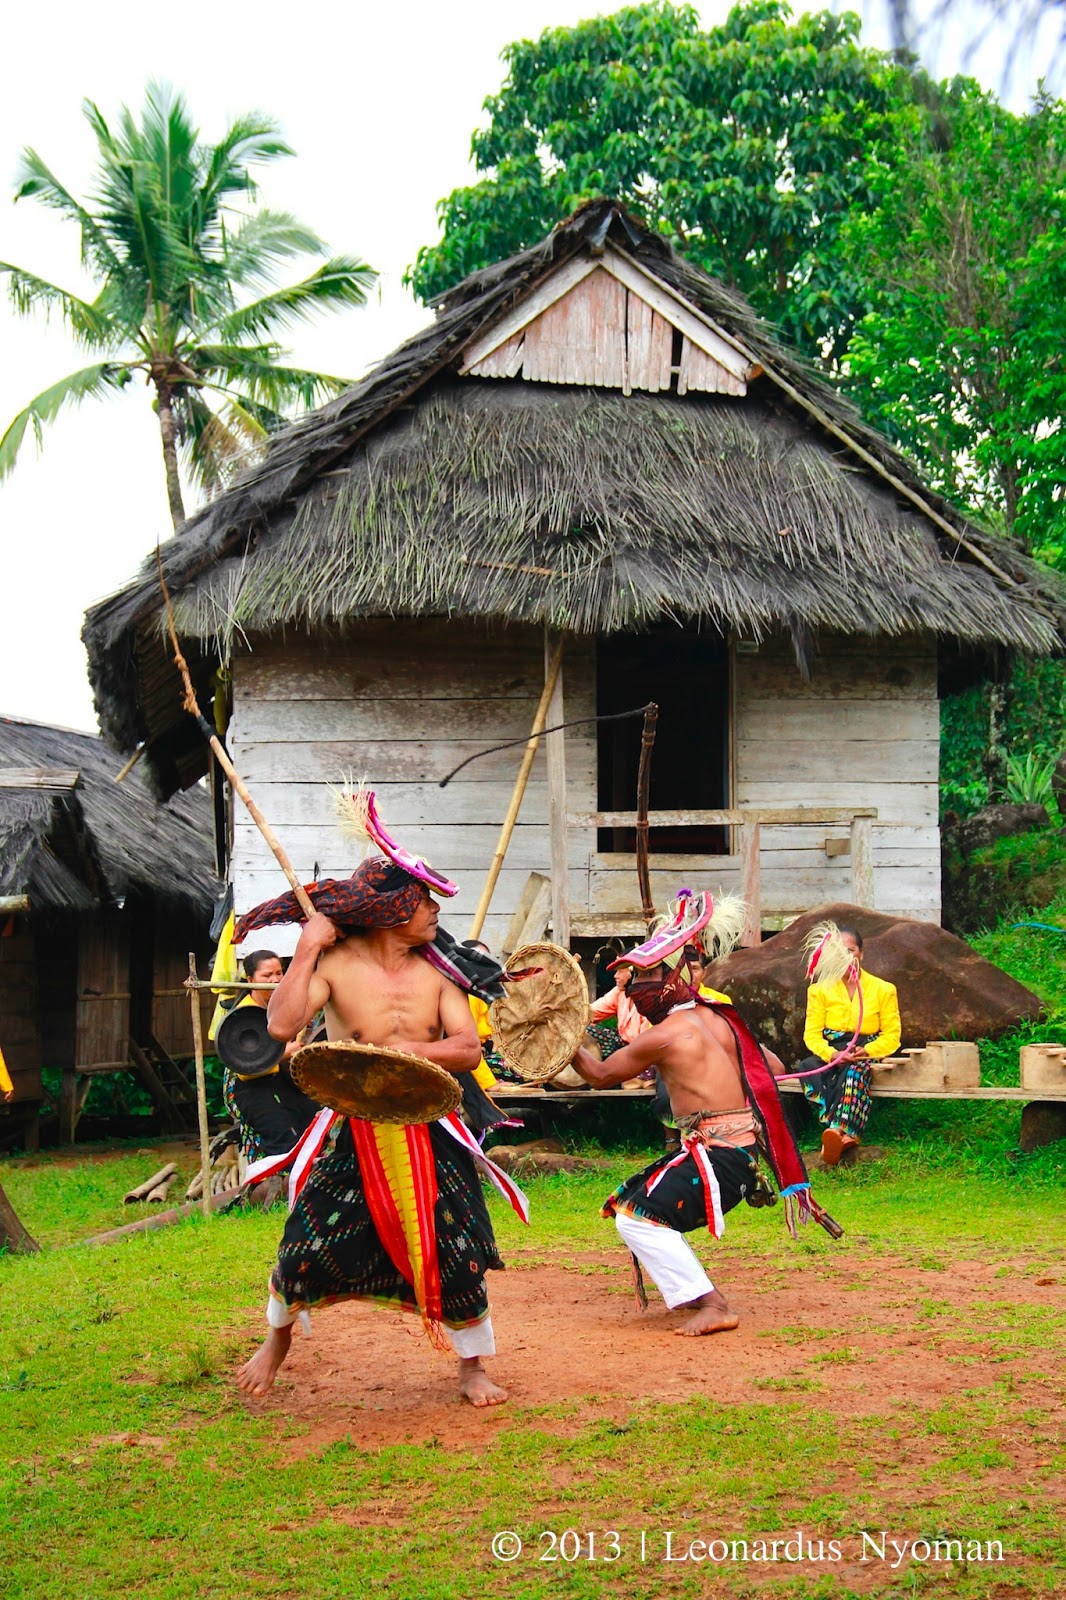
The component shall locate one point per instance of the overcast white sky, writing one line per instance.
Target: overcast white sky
(379, 101)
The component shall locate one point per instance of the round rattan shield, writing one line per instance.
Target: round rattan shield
(375, 1083)
(540, 1021)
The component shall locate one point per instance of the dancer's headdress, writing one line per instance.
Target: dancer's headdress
(828, 958)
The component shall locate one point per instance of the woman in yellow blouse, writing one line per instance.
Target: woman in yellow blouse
(841, 1094)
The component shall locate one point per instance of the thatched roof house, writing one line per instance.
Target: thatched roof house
(593, 438)
(103, 891)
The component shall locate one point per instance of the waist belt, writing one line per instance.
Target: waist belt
(718, 1127)
(838, 1037)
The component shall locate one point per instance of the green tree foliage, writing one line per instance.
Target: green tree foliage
(1034, 723)
(185, 287)
(964, 265)
(746, 145)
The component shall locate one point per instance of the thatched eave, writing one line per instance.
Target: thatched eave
(417, 493)
(102, 841)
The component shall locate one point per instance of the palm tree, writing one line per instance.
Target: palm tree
(185, 291)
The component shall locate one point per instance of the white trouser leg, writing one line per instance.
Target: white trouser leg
(279, 1314)
(666, 1258)
(476, 1341)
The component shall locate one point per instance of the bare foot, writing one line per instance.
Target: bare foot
(257, 1374)
(476, 1386)
(710, 1315)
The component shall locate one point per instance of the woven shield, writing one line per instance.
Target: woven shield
(374, 1083)
(540, 1021)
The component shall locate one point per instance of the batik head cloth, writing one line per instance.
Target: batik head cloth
(379, 894)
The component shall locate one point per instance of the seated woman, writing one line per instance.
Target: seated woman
(841, 1094)
(271, 1111)
(616, 1003)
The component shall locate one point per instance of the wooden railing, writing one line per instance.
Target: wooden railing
(749, 820)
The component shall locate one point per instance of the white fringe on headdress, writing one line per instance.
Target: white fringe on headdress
(717, 937)
(828, 958)
(726, 928)
(350, 809)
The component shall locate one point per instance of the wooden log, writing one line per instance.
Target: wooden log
(162, 1219)
(143, 1190)
(157, 1195)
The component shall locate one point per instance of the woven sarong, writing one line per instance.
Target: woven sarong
(331, 1250)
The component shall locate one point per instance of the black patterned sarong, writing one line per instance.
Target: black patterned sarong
(331, 1251)
(678, 1200)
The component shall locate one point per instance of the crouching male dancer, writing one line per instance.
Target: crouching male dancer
(370, 967)
(725, 1104)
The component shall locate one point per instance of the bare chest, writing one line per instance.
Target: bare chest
(373, 1004)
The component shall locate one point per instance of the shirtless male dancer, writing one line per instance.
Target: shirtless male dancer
(695, 1051)
(377, 989)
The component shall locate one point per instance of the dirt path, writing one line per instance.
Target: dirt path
(566, 1332)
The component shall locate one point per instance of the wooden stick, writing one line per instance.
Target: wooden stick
(201, 1087)
(192, 706)
(519, 790)
(647, 741)
(130, 764)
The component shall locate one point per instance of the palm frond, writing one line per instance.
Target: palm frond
(29, 293)
(88, 383)
(35, 180)
(341, 281)
(259, 375)
(262, 241)
(251, 139)
(214, 448)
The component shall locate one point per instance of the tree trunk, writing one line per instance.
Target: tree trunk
(169, 435)
(13, 1235)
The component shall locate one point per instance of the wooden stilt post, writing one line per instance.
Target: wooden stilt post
(751, 880)
(862, 861)
(201, 1086)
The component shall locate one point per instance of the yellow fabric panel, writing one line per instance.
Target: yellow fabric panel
(716, 995)
(224, 971)
(480, 1012)
(484, 1077)
(830, 1006)
(6, 1085)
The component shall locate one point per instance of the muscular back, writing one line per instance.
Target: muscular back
(697, 1057)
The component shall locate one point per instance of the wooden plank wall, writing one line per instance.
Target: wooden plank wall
(19, 1033)
(102, 1027)
(400, 704)
(864, 732)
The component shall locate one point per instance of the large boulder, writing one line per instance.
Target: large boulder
(946, 990)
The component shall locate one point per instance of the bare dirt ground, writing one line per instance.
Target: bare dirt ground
(571, 1331)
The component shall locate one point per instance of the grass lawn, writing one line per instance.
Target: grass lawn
(906, 1382)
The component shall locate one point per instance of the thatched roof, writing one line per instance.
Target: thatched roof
(71, 847)
(420, 493)
(44, 852)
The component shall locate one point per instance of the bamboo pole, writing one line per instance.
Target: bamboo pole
(192, 706)
(517, 793)
(201, 1087)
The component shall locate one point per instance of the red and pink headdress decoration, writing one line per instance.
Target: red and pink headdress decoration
(357, 813)
(714, 926)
